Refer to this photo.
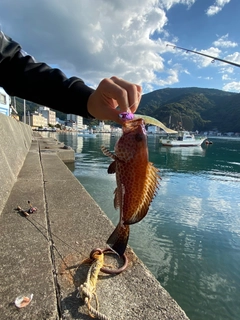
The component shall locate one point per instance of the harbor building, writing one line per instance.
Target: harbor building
(75, 122)
(48, 114)
(37, 120)
(4, 102)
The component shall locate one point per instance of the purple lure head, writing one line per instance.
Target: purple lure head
(126, 116)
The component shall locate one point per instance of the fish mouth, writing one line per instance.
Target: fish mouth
(135, 122)
(134, 125)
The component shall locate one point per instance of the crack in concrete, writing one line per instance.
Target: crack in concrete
(51, 244)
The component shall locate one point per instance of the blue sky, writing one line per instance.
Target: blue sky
(94, 39)
(205, 29)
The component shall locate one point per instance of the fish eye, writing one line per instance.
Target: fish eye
(138, 137)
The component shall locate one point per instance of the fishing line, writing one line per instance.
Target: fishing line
(68, 245)
(139, 98)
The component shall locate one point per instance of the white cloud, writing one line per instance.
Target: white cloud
(170, 79)
(227, 70)
(169, 3)
(205, 78)
(232, 86)
(202, 61)
(234, 57)
(226, 77)
(186, 71)
(94, 39)
(216, 7)
(224, 43)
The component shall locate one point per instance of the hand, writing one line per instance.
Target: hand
(111, 93)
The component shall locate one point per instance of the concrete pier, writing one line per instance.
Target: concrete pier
(42, 254)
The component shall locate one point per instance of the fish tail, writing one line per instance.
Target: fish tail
(119, 238)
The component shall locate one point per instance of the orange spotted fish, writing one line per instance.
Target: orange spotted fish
(137, 180)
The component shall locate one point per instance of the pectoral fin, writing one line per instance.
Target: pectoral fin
(107, 153)
(112, 168)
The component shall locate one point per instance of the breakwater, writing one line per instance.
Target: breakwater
(15, 142)
(42, 254)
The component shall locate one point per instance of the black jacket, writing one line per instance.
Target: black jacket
(22, 76)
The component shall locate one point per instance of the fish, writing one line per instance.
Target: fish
(137, 180)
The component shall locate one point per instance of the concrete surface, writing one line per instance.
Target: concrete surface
(15, 141)
(42, 253)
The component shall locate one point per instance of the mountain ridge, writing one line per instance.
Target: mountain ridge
(194, 108)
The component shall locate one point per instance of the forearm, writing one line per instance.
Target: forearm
(21, 76)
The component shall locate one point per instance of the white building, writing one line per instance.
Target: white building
(4, 102)
(102, 127)
(76, 122)
(48, 114)
(37, 120)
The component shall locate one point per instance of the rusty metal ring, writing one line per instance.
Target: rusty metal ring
(98, 250)
(115, 271)
(106, 270)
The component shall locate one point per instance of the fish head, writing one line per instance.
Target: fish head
(133, 140)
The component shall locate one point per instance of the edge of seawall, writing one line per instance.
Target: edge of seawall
(42, 254)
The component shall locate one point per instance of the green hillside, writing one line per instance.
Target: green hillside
(194, 108)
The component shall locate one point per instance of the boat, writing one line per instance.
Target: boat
(182, 139)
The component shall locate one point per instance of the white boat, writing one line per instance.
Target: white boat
(182, 139)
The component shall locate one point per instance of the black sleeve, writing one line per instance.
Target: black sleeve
(22, 76)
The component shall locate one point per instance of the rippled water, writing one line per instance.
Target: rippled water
(190, 239)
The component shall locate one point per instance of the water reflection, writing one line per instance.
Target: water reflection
(184, 152)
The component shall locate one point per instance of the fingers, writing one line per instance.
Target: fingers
(111, 93)
(103, 108)
(128, 95)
